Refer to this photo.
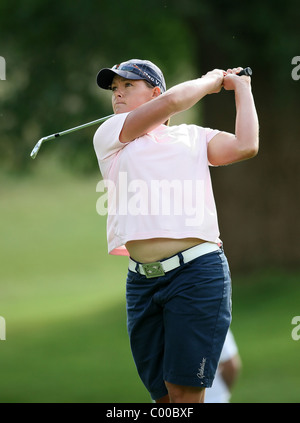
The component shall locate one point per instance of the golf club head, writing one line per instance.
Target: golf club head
(36, 148)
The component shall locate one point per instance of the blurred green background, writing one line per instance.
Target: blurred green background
(61, 295)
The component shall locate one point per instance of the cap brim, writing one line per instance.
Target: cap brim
(106, 76)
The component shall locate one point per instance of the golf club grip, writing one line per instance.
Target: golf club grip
(246, 71)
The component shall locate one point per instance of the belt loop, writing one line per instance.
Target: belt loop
(137, 268)
(181, 259)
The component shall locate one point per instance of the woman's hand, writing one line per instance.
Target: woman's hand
(231, 80)
(216, 77)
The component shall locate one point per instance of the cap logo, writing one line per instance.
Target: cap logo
(146, 74)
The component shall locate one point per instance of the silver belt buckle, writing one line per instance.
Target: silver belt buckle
(153, 270)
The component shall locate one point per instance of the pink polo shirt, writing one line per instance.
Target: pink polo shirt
(157, 186)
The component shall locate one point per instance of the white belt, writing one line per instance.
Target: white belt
(159, 268)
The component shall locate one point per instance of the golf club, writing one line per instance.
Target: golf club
(38, 145)
(246, 71)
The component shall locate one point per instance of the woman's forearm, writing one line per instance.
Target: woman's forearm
(246, 125)
(226, 148)
(185, 95)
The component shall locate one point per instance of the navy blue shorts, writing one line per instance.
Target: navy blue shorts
(177, 323)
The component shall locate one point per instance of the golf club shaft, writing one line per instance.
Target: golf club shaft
(67, 131)
(76, 128)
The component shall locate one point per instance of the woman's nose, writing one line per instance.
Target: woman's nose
(118, 92)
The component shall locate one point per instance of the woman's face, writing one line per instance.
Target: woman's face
(128, 94)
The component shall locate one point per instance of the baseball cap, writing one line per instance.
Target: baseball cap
(133, 69)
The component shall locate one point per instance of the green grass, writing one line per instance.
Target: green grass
(264, 305)
(63, 300)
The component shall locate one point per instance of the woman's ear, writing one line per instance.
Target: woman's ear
(156, 92)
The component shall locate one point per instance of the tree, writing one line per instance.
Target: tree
(265, 36)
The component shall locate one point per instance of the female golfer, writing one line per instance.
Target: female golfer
(161, 212)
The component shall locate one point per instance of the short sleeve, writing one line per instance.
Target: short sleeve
(210, 134)
(106, 138)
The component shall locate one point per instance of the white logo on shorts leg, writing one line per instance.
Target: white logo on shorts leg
(201, 369)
